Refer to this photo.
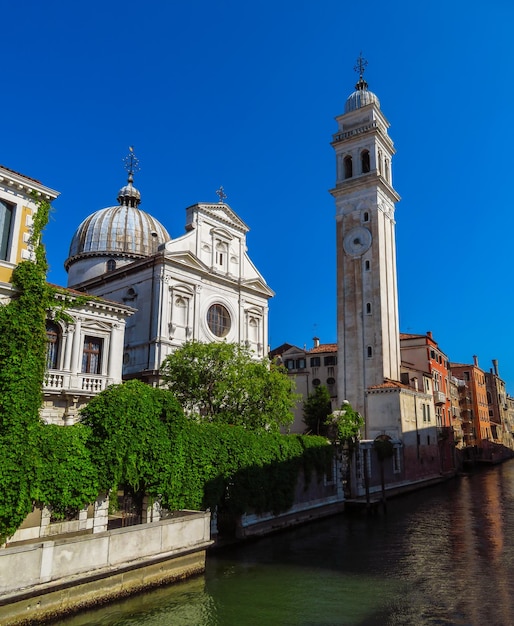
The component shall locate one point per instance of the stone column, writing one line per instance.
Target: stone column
(101, 515)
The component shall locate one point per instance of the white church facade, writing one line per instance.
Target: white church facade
(201, 286)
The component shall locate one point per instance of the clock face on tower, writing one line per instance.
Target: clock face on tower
(357, 241)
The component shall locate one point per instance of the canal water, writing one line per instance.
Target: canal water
(443, 555)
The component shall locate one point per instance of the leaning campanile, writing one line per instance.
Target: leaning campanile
(367, 294)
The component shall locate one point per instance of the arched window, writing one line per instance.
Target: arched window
(365, 166)
(111, 265)
(368, 308)
(365, 217)
(370, 352)
(53, 340)
(348, 167)
(367, 266)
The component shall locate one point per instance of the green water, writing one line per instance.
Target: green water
(440, 556)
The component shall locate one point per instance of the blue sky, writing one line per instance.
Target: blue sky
(244, 95)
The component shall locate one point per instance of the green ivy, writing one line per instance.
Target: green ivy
(67, 479)
(140, 438)
(22, 368)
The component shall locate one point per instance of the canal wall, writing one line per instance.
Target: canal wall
(43, 579)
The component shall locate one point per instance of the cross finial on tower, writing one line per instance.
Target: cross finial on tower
(360, 68)
(131, 164)
(221, 194)
(361, 65)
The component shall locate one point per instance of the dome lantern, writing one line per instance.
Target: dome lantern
(361, 97)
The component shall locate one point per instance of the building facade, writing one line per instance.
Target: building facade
(85, 347)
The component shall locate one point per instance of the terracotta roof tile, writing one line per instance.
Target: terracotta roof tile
(391, 384)
(323, 347)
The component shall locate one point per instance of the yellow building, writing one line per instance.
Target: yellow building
(18, 204)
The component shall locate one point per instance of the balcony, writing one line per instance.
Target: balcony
(88, 384)
(439, 398)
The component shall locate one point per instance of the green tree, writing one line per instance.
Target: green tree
(223, 383)
(316, 410)
(345, 425)
(344, 430)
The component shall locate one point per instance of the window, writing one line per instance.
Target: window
(330, 371)
(369, 352)
(367, 266)
(221, 253)
(289, 364)
(365, 167)
(300, 364)
(92, 355)
(396, 460)
(424, 413)
(348, 167)
(6, 214)
(330, 360)
(218, 320)
(53, 335)
(111, 265)
(316, 382)
(368, 308)
(315, 361)
(365, 217)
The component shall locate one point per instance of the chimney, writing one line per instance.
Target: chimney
(495, 365)
(475, 360)
(429, 334)
(316, 342)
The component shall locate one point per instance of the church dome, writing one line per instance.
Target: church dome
(118, 230)
(361, 97)
(122, 233)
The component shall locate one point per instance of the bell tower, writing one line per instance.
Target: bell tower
(367, 295)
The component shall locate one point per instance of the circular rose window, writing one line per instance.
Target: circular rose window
(218, 320)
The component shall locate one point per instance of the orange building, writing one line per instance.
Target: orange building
(421, 355)
(475, 401)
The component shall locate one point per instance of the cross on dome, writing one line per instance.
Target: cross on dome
(131, 164)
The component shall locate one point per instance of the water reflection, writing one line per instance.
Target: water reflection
(440, 556)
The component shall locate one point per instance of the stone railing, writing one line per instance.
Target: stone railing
(56, 380)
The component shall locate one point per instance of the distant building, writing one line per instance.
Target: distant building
(201, 286)
(476, 420)
(498, 407)
(310, 368)
(422, 356)
(84, 351)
